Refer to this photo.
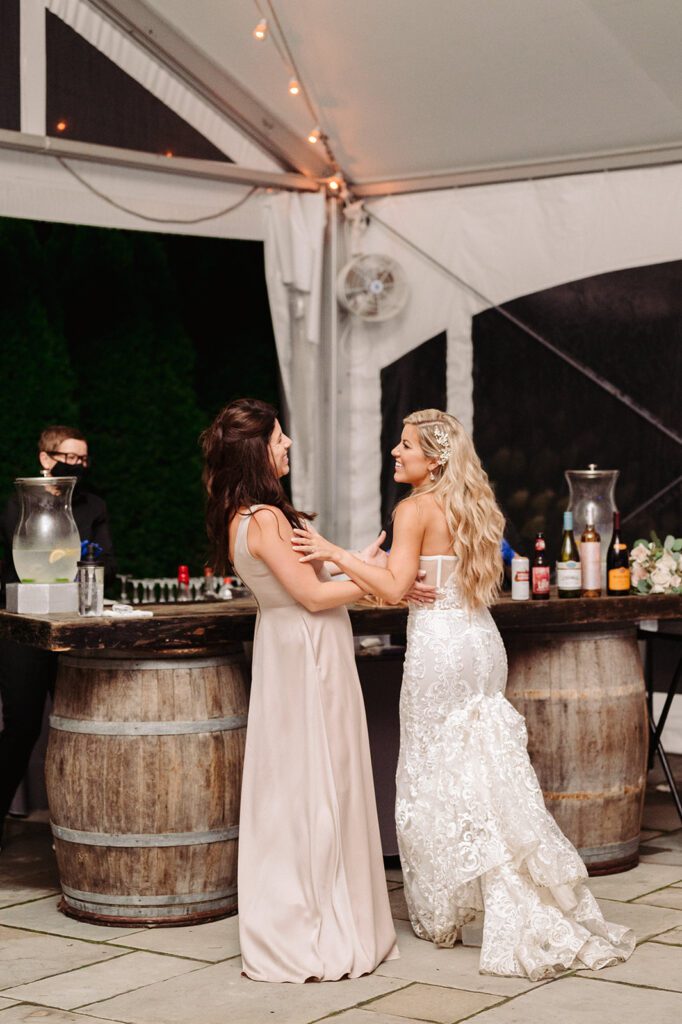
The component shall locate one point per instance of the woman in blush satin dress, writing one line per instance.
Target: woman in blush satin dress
(473, 830)
(313, 903)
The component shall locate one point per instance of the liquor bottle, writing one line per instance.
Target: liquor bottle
(568, 575)
(183, 584)
(590, 558)
(617, 563)
(208, 586)
(540, 570)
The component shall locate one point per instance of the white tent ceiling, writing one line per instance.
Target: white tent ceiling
(415, 95)
(407, 88)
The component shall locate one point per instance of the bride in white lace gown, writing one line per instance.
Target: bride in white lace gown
(473, 830)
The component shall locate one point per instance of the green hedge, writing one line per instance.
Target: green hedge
(96, 331)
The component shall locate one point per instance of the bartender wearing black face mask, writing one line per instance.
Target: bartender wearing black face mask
(27, 675)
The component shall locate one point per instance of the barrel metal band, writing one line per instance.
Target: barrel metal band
(615, 793)
(132, 839)
(137, 664)
(93, 728)
(148, 901)
(178, 913)
(623, 849)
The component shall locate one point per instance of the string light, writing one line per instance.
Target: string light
(61, 126)
(168, 153)
(260, 32)
(272, 28)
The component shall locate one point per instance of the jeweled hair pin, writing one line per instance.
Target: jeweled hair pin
(443, 442)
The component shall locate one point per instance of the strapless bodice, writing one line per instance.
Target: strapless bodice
(440, 573)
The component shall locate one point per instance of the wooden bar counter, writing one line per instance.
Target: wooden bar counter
(147, 737)
(191, 629)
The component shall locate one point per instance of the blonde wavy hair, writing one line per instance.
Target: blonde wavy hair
(462, 491)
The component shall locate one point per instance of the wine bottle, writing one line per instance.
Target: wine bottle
(568, 575)
(617, 563)
(208, 586)
(590, 558)
(540, 571)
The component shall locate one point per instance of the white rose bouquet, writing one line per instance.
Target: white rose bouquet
(656, 566)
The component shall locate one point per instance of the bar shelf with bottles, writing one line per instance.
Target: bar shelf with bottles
(183, 589)
(588, 566)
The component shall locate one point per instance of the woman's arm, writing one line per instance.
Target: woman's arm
(269, 538)
(391, 583)
(373, 553)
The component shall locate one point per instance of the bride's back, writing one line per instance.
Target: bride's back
(437, 539)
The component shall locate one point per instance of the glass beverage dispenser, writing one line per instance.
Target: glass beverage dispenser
(46, 545)
(591, 491)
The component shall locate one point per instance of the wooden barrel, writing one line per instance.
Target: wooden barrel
(143, 773)
(583, 697)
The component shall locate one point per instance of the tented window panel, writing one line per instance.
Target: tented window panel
(415, 381)
(535, 415)
(90, 99)
(10, 117)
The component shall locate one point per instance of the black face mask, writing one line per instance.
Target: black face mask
(64, 469)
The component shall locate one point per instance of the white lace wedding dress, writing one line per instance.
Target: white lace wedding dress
(473, 830)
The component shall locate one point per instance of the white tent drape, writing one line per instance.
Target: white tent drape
(294, 250)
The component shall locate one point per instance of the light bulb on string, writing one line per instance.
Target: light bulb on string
(335, 185)
(260, 32)
(61, 126)
(294, 86)
(314, 136)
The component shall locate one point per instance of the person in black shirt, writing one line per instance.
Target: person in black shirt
(27, 675)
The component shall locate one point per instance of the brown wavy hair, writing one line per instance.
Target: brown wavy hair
(238, 471)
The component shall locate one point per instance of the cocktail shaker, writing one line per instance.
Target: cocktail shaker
(90, 584)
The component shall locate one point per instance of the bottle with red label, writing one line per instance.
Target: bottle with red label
(617, 563)
(540, 570)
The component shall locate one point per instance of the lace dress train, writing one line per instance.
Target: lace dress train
(473, 830)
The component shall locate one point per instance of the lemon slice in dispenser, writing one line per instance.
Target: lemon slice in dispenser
(56, 555)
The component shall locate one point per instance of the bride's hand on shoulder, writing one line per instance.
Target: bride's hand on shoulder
(312, 546)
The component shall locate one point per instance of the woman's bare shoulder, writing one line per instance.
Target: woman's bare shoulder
(271, 519)
(418, 505)
(412, 513)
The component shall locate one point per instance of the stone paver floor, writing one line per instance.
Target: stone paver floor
(60, 971)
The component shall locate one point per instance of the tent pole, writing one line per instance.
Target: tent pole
(215, 170)
(333, 381)
(32, 58)
(153, 33)
(590, 163)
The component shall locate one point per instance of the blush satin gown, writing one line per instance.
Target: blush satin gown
(313, 902)
(472, 826)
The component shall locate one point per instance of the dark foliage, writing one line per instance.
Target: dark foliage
(118, 333)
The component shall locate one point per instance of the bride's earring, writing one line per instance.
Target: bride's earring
(432, 475)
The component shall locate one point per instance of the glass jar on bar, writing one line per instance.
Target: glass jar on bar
(46, 544)
(591, 498)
